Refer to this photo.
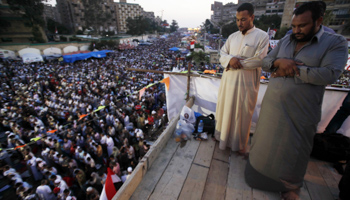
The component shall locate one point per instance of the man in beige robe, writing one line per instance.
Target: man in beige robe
(241, 56)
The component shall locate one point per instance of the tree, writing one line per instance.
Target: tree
(52, 25)
(173, 26)
(94, 15)
(209, 27)
(141, 25)
(31, 12)
(228, 29)
(137, 26)
(198, 57)
(268, 21)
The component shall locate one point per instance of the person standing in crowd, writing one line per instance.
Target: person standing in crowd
(241, 56)
(301, 65)
(44, 191)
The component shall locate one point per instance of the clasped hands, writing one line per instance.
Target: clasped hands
(235, 63)
(286, 67)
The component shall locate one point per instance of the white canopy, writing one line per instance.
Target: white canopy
(52, 51)
(29, 50)
(7, 54)
(70, 49)
(84, 48)
(30, 57)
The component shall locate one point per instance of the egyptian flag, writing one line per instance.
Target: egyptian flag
(192, 44)
(109, 190)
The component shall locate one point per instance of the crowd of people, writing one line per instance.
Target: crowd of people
(59, 102)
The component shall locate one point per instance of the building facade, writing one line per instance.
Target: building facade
(124, 11)
(13, 29)
(73, 15)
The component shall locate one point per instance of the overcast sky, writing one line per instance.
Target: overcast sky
(187, 13)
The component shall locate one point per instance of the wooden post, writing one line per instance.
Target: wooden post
(188, 81)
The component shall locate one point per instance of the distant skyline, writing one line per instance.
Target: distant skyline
(187, 13)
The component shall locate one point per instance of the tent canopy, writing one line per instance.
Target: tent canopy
(31, 57)
(83, 56)
(174, 49)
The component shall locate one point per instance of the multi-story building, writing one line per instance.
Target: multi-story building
(52, 13)
(217, 9)
(73, 14)
(13, 29)
(149, 15)
(226, 13)
(125, 10)
(340, 14)
(274, 7)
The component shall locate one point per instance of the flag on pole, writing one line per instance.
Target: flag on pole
(109, 190)
(56, 31)
(167, 82)
(192, 44)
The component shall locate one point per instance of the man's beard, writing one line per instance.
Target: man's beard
(307, 37)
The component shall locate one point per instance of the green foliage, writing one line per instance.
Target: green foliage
(104, 44)
(52, 25)
(107, 33)
(281, 33)
(228, 29)
(80, 32)
(174, 26)
(328, 17)
(197, 45)
(198, 57)
(268, 21)
(209, 27)
(37, 36)
(31, 11)
(63, 38)
(139, 25)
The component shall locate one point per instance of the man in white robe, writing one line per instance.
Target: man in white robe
(110, 145)
(241, 56)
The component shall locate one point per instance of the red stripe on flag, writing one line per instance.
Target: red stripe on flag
(109, 186)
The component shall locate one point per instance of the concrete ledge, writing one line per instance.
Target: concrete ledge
(141, 169)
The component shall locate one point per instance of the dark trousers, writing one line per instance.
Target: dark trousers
(340, 116)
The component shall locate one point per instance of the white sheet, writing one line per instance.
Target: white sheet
(205, 91)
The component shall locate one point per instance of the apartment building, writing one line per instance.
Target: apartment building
(225, 13)
(125, 10)
(274, 7)
(149, 15)
(73, 14)
(13, 29)
(52, 13)
(340, 14)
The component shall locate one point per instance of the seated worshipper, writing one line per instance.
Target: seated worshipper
(302, 65)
